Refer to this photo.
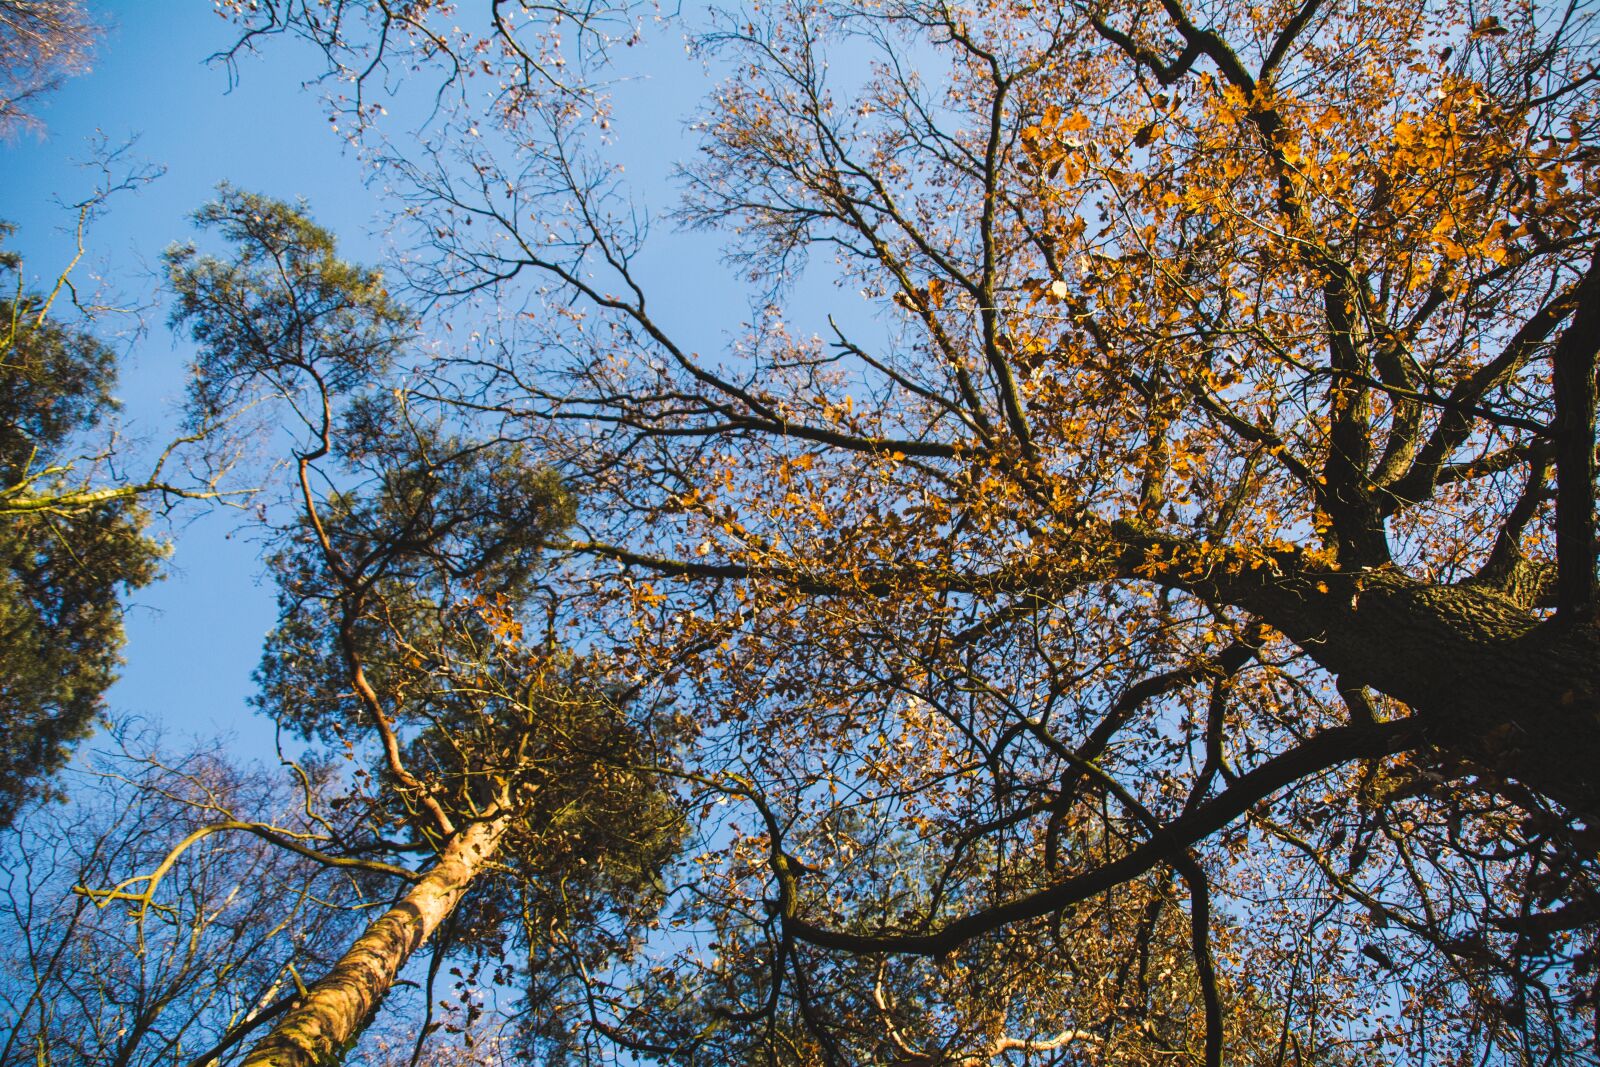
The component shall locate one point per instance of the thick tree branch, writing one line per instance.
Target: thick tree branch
(1322, 752)
(1573, 364)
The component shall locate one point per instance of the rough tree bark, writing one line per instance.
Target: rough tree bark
(337, 1008)
(1515, 693)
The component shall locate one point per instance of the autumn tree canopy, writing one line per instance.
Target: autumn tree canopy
(1207, 510)
(1144, 612)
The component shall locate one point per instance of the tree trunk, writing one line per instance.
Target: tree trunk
(336, 1009)
(1513, 693)
(1493, 682)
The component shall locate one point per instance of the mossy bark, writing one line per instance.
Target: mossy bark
(337, 1008)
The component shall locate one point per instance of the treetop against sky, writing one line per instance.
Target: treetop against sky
(906, 533)
(153, 86)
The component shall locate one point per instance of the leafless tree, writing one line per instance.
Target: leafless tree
(173, 969)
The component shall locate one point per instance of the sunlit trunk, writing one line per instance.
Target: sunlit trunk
(337, 1008)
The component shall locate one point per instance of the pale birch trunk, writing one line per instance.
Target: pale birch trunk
(337, 1008)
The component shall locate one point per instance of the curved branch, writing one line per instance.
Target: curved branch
(1322, 752)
